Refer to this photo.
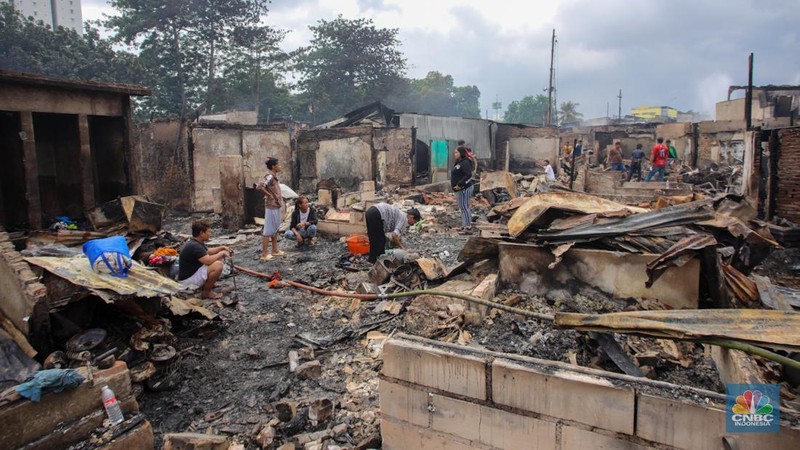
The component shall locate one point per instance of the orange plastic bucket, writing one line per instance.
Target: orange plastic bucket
(358, 244)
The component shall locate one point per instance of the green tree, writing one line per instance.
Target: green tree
(530, 110)
(568, 112)
(30, 46)
(253, 74)
(349, 63)
(182, 43)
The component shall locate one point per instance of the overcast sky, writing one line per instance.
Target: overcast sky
(676, 53)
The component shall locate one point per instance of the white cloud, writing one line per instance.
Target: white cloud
(681, 53)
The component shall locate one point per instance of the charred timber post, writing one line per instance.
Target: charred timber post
(748, 102)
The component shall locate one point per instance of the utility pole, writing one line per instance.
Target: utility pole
(550, 88)
(497, 106)
(619, 114)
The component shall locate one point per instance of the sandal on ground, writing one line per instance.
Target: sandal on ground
(265, 258)
(279, 253)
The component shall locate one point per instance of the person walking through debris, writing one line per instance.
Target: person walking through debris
(636, 163)
(658, 159)
(201, 266)
(549, 175)
(303, 227)
(614, 158)
(385, 218)
(673, 155)
(461, 182)
(273, 201)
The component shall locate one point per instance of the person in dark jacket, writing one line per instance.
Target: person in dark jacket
(303, 227)
(461, 182)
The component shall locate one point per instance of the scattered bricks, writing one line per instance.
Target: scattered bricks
(311, 369)
(339, 430)
(401, 436)
(367, 186)
(679, 424)
(305, 438)
(287, 446)
(357, 217)
(265, 437)
(320, 411)
(305, 353)
(577, 439)
(509, 431)
(485, 290)
(368, 417)
(195, 441)
(294, 361)
(457, 373)
(324, 197)
(561, 394)
(285, 410)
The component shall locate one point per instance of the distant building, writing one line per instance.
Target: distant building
(55, 13)
(655, 112)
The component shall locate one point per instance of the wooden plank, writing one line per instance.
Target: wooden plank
(31, 164)
(86, 162)
(231, 176)
(53, 100)
(17, 336)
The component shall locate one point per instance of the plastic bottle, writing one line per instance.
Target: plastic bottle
(112, 406)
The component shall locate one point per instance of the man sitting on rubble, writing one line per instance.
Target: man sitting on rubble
(201, 266)
(384, 218)
(303, 227)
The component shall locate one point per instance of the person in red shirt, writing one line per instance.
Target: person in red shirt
(658, 160)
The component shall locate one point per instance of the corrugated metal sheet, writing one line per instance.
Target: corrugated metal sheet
(478, 133)
(534, 209)
(140, 282)
(683, 214)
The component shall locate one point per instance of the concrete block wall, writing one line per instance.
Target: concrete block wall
(441, 396)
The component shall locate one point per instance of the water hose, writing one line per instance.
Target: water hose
(747, 348)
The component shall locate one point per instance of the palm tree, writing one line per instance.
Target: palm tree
(569, 112)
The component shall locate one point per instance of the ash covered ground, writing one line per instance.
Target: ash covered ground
(234, 371)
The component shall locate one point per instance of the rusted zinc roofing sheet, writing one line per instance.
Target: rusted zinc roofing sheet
(677, 255)
(534, 209)
(682, 214)
(140, 282)
(768, 328)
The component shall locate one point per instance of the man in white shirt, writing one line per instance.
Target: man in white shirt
(548, 171)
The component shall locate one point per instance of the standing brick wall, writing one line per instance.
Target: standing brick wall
(788, 195)
(441, 396)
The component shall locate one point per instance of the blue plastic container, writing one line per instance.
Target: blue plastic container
(114, 254)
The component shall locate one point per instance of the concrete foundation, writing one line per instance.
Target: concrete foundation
(620, 274)
(440, 396)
